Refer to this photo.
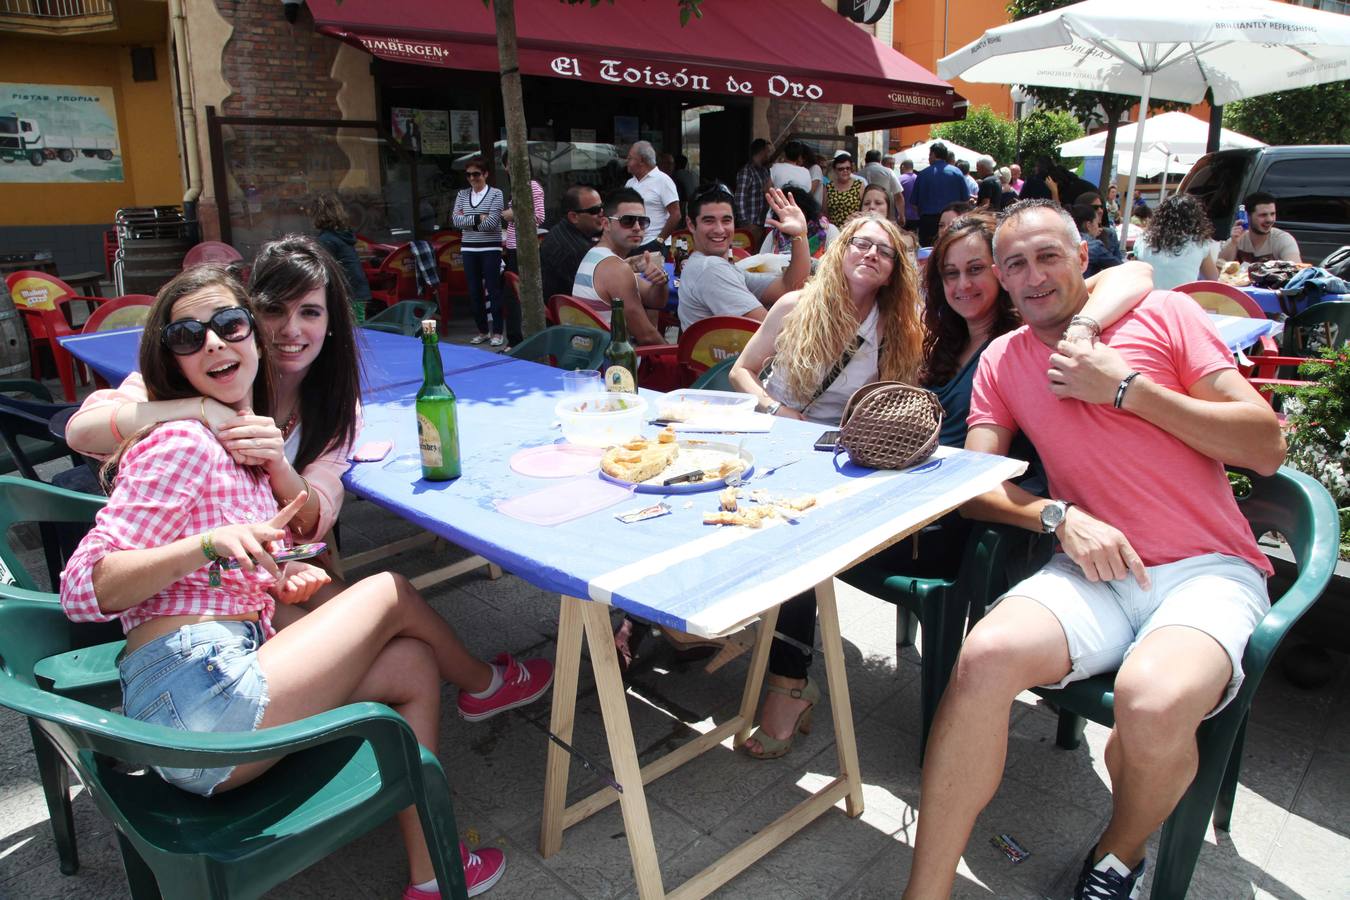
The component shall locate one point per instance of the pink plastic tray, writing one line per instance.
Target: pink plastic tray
(563, 502)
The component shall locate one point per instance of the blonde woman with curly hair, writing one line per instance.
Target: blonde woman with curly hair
(855, 322)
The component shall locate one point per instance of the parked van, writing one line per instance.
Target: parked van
(1311, 186)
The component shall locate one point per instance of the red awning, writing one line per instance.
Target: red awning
(791, 49)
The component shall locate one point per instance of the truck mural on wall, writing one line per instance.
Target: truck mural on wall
(22, 138)
(73, 127)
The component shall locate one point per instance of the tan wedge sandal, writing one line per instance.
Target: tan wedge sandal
(771, 747)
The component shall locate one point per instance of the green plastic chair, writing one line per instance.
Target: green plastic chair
(716, 378)
(1302, 334)
(32, 449)
(346, 771)
(404, 317)
(88, 669)
(1299, 508)
(565, 347)
(995, 557)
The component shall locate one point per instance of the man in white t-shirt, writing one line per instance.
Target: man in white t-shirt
(711, 286)
(1262, 240)
(791, 168)
(659, 195)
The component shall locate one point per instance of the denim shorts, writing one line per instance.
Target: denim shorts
(202, 677)
(1222, 596)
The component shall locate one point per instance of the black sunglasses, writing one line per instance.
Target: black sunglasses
(591, 210)
(717, 188)
(473, 174)
(186, 336)
(630, 221)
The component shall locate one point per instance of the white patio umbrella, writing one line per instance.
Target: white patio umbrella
(918, 154)
(1162, 49)
(1174, 141)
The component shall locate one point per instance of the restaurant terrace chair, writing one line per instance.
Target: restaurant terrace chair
(211, 252)
(1217, 297)
(709, 341)
(943, 609)
(1298, 508)
(404, 317)
(87, 668)
(33, 451)
(450, 262)
(1325, 324)
(717, 378)
(565, 347)
(45, 302)
(127, 311)
(345, 772)
(396, 277)
(658, 363)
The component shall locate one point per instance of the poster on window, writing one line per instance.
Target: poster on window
(58, 134)
(463, 130)
(435, 132)
(406, 127)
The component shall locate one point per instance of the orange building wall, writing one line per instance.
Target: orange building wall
(146, 127)
(918, 33)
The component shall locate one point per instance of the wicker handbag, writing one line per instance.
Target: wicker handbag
(890, 425)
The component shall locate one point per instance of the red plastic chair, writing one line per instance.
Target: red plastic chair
(211, 252)
(127, 311)
(569, 310)
(396, 278)
(709, 341)
(372, 253)
(744, 240)
(450, 262)
(45, 301)
(1217, 297)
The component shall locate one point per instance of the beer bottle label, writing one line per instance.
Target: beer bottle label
(620, 380)
(429, 439)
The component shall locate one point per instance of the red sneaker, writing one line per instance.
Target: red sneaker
(482, 869)
(522, 683)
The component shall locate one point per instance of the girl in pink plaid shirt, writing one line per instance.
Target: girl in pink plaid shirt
(208, 648)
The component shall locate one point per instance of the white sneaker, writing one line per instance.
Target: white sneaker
(497, 340)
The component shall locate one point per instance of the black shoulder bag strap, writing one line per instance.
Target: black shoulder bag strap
(833, 375)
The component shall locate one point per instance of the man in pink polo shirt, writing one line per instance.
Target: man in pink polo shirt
(1158, 574)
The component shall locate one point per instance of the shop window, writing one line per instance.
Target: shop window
(270, 173)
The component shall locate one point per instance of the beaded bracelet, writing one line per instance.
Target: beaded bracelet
(209, 551)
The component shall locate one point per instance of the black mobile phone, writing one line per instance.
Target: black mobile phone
(827, 441)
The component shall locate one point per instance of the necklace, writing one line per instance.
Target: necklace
(289, 425)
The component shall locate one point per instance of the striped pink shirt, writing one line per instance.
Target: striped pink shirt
(176, 482)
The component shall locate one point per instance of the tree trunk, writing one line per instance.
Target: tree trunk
(518, 159)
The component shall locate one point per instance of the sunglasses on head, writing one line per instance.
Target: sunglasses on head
(716, 189)
(186, 336)
(631, 221)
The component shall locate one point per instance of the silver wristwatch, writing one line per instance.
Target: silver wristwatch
(1052, 515)
(771, 408)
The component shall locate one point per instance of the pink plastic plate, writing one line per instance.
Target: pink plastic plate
(556, 460)
(563, 502)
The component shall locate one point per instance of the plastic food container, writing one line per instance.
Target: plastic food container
(690, 402)
(601, 420)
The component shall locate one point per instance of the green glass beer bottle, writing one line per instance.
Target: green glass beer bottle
(620, 357)
(437, 423)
